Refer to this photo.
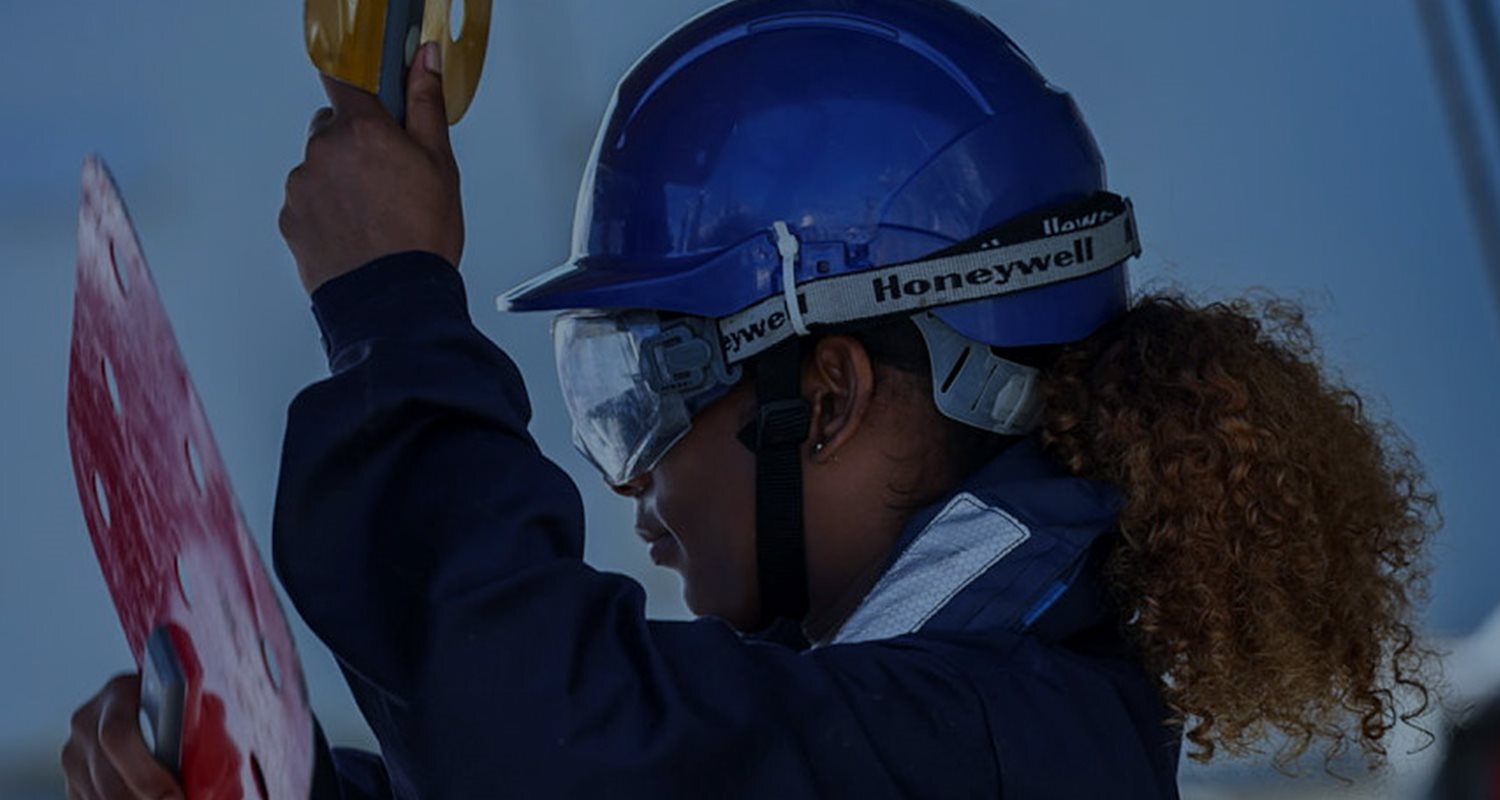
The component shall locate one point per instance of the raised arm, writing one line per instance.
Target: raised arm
(428, 541)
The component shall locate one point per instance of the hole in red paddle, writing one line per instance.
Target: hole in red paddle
(273, 667)
(182, 582)
(110, 383)
(194, 465)
(102, 500)
(121, 273)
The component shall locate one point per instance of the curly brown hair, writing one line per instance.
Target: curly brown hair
(1273, 534)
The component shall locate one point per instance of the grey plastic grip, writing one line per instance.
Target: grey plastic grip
(163, 689)
(403, 26)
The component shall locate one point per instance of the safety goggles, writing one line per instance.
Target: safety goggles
(633, 381)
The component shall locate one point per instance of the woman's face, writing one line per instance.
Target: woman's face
(696, 510)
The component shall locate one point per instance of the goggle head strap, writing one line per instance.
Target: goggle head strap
(1055, 246)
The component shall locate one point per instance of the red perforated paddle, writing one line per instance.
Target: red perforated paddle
(221, 680)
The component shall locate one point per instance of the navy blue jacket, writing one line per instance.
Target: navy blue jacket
(438, 553)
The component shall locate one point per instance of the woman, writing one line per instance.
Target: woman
(847, 318)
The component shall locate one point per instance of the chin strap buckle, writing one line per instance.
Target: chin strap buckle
(779, 423)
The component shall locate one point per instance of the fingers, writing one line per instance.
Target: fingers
(78, 778)
(107, 784)
(125, 748)
(317, 130)
(285, 219)
(368, 187)
(320, 121)
(78, 772)
(350, 101)
(106, 757)
(426, 110)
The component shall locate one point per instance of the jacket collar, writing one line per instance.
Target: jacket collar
(1012, 548)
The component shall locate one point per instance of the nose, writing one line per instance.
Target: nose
(635, 487)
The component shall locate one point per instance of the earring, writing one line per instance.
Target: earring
(818, 448)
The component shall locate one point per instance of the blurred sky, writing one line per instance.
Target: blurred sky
(1298, 147)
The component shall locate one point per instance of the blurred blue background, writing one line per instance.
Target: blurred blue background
(1296, 147)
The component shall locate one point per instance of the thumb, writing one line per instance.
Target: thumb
(426, 111)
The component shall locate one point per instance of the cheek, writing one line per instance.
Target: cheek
(705, 493)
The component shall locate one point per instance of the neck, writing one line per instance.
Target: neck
(849, 541)
(825, 619)
(848, 551)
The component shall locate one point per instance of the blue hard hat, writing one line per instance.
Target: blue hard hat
(878, 132)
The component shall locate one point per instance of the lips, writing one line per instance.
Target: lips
(664, 552)
(664, 549)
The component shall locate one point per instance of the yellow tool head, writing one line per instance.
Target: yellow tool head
(347, 40)
(463, 58)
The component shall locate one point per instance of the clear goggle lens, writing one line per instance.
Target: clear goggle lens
(632, 382)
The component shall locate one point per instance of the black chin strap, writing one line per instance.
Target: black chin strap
(776, 436)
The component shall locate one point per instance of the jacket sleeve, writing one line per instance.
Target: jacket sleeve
(346, 774)
(438, 553)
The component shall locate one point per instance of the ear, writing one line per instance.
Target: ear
(838, 381)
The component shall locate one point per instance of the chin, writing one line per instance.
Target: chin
(739, 616)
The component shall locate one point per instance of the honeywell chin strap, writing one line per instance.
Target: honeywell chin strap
(776, 436)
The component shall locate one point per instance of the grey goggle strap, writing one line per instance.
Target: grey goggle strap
(776, 436)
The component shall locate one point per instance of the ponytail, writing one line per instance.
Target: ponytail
(1273, 534)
